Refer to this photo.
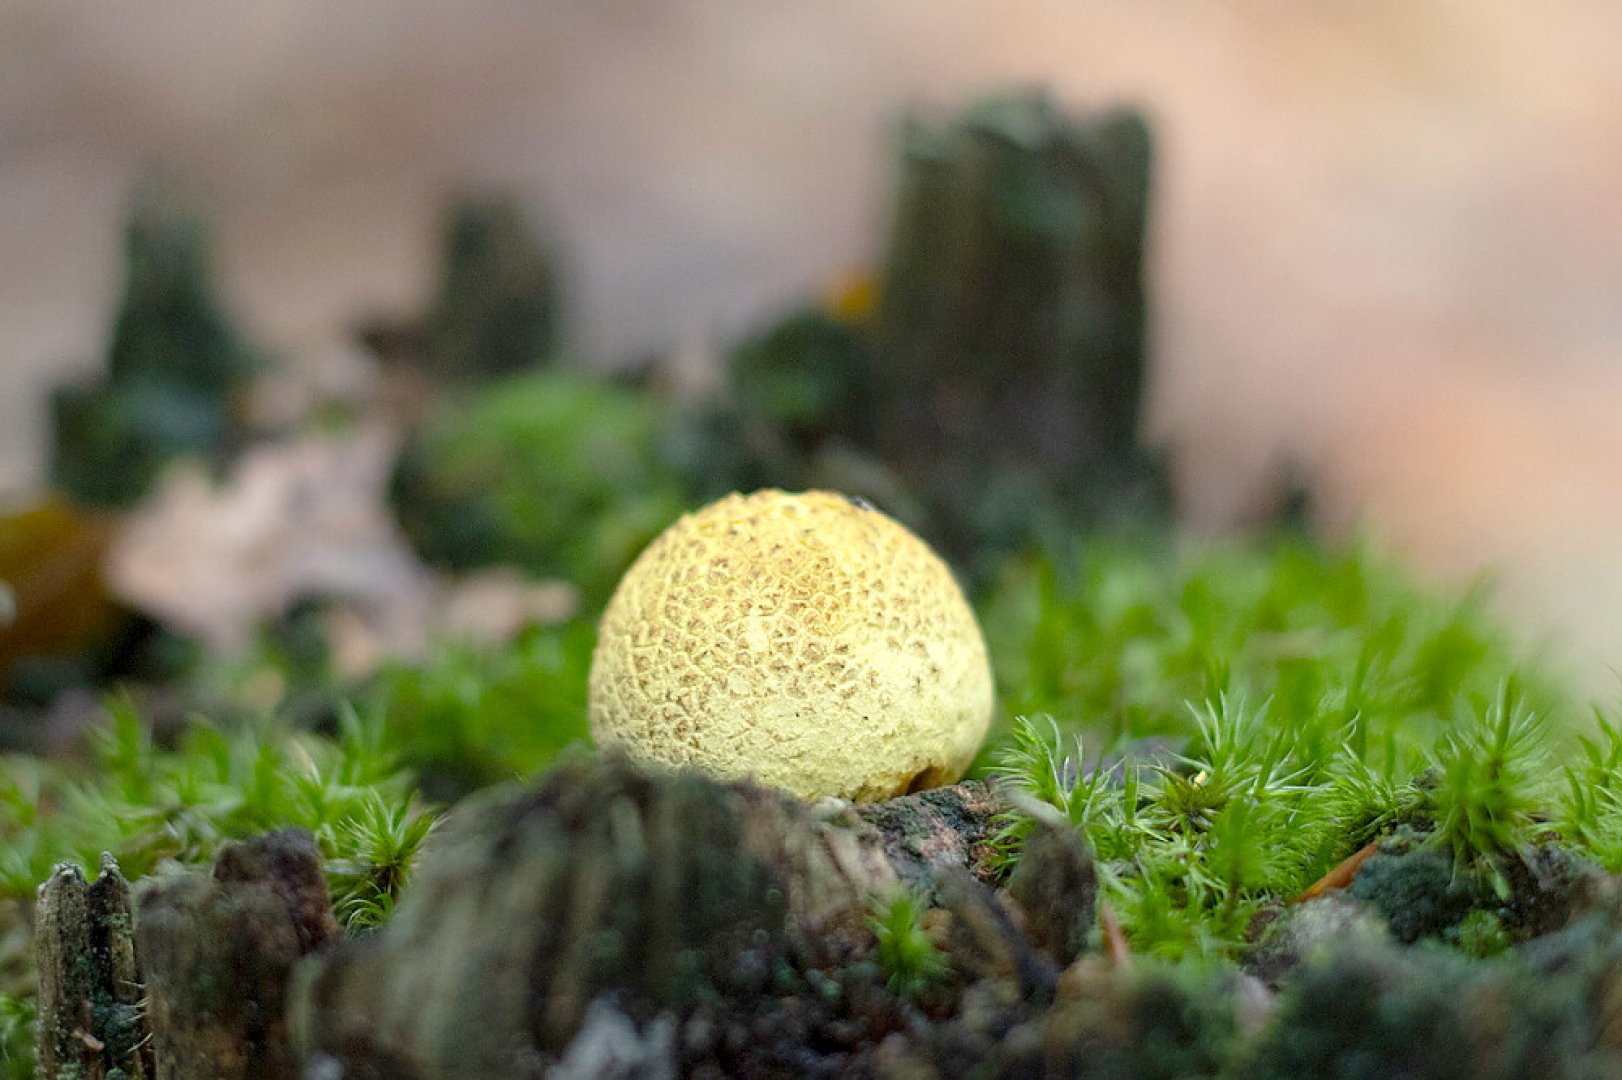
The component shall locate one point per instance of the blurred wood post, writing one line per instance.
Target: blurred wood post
(90, 1025)
(217, 951)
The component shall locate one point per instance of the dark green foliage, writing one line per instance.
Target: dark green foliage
(497, 310)
(175, 368)
(470, 717)
(1416, 891)
(558, 474)
(797, 397)
(1009, 337)
(807, 378)
(1371, 1013)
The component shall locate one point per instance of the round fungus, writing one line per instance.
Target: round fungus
(807, 641)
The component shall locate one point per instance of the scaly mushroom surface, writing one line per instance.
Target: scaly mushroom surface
(804, 640)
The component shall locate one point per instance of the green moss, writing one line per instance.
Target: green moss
(144, 803)
(16, 1036)
(1252, 716)
(1482, 934)
(911, 963)
(560, 475)
(1116, 637)
(469, 717)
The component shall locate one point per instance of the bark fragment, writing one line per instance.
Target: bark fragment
(1056, 887)
(217, 951)
(89, 989)
(673, 895)
(923, 834)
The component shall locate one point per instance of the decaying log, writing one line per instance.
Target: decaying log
(667, 891)
(547, 923)
(90, 1025)
(944, 827)
(1010, 328)
(216, 951)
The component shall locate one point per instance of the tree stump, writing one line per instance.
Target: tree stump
(217, 951)
(90, 1025)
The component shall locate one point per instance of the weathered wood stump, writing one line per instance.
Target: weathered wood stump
(90, 1025)
(216, 951)
(630, 899)
(609, 919)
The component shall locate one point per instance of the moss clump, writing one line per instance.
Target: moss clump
(146, 802)
(561, 475)
(468, 717)
(912, 965)
(792, 393)
(1416, 891)
(1118, 635)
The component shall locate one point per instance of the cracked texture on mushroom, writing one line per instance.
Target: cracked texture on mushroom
(807, 641)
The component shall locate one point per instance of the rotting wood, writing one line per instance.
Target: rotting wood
(217, 951)
(90, 1024)
(729, 907)
(949, 826)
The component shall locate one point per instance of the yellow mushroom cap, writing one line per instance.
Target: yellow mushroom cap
(807, 641)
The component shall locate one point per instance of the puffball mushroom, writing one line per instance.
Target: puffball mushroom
(806, 641)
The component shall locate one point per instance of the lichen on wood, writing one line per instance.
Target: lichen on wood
(217, 949)
(672, 894)
(90, 1024)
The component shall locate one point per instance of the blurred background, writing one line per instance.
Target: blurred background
(1383, 246)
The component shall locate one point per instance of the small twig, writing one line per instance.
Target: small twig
(1341, 876)
(1115, 947)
